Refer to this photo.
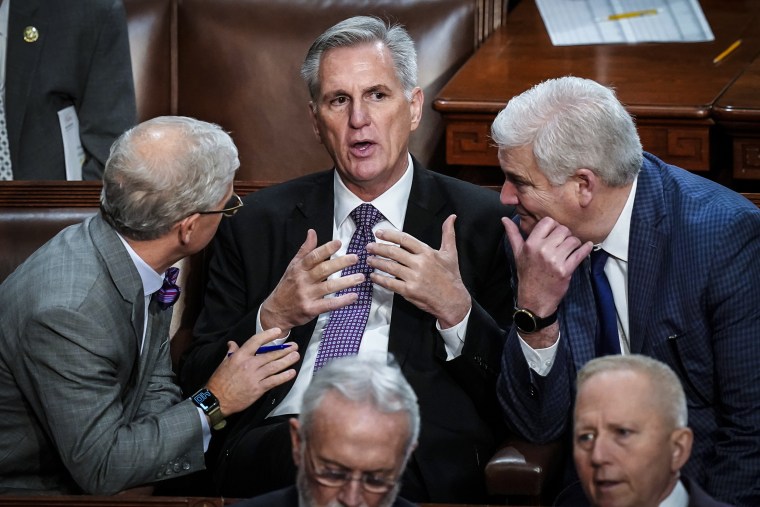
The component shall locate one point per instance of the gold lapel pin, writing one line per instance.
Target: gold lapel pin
(31, 34)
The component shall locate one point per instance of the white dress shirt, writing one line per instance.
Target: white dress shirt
(392, 204)
(616, 270)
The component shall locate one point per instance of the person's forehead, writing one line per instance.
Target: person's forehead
(358, 61)
(627, 392)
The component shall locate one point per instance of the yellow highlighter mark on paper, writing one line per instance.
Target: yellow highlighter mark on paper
(632, 14)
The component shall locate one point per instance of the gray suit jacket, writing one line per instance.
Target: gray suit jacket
(83, 409)
(80, 58)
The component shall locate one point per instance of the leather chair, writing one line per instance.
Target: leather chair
(236, 63)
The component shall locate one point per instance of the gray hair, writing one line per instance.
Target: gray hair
(369, 381)
(669, 391)
(164, 170)
(364, 30)
(572, 123)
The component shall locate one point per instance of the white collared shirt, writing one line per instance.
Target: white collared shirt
(392, 204)
(616, 270)
(679, 497)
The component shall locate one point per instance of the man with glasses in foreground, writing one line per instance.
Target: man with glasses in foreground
(88, 395)
(358, 426)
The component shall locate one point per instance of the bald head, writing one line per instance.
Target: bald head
(163, 170)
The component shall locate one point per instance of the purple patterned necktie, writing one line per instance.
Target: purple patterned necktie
(168, 294)
(343, 332)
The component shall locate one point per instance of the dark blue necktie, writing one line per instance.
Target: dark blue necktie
(608, 339)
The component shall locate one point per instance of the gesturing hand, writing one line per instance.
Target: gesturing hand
(545, 263)
(243, 377)
(300, 294)
(426, 277)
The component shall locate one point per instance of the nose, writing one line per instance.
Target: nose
(599, 450)
(351, 494)
(508, 195)
(359, 115)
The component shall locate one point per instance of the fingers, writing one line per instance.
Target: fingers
(405, 241)
(253, 343)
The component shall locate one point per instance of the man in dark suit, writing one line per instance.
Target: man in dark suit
(65, 54)
(358, 426)
(88, 395)
(678, 283)
(437, 297)
(630, 435)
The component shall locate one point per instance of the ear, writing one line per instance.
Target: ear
(587, 183)
(295, 441)
(314, 123)
(186, 227)
(680, 442)
(415, 107)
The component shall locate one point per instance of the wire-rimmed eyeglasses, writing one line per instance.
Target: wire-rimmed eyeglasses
(232, 206)
(337, 478)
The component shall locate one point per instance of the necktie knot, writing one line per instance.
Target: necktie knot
(168, 294)
(598, 260)
(366, 216)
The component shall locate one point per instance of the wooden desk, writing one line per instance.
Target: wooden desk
(737, 111)
(669, 88)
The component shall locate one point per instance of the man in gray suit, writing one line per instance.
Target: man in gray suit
(89, 402)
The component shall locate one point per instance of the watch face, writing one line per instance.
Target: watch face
(524, 321)
(205, 400)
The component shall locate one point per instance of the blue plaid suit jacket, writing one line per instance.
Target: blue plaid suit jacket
(694, 303)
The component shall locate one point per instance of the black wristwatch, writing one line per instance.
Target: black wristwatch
(528, 322)
(207, 402)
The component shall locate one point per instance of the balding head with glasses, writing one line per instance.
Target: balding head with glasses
(358, 426)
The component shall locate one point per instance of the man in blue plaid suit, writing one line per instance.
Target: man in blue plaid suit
(683, 267)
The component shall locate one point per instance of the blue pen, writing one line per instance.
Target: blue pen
(267, 348)
(271, 348)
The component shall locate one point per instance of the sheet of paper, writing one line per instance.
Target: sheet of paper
(577, 22)
(73, 152)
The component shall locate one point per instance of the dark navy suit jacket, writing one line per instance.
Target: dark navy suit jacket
(694, 303)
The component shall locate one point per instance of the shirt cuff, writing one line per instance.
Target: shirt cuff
(453, 337)
(206, 429)
(259, 329)
(540, 360)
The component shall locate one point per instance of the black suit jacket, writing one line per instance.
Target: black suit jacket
(288, 497)
(460, 423)
(80, 58)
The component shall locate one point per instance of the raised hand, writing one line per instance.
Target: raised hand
(426, 277)
(300, 294)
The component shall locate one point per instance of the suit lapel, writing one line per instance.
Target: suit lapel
(578, 321)
(423, 221)
(648, 233)
(122, 272)
(22, 59)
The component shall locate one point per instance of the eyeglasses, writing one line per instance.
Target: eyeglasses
(232, 206)
(332, 478)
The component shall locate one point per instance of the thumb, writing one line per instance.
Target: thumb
(513, 235)
(448, 235)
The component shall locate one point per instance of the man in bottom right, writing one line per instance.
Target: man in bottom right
(631, 437)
